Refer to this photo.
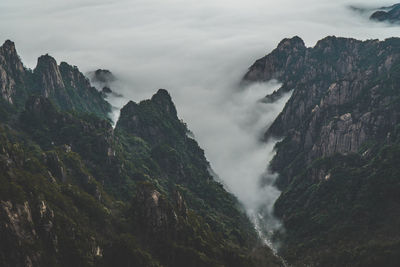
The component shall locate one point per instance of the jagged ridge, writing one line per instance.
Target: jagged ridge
(76, 192)
(340, 127)
(65, 85)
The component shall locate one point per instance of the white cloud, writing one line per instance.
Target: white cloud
(198, 50)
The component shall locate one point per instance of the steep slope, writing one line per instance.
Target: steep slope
(181, 162)
(337, 161)
(12, 73)
(76, 192)
(65, 85)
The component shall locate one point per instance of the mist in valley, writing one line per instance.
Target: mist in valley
(198, 51)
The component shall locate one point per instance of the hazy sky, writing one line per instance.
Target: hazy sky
(198, 50)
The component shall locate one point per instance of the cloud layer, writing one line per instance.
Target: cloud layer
(198, 50)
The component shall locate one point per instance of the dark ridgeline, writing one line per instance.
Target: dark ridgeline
(64, 85)
(76, 192)
(340, 156)
(389, 14)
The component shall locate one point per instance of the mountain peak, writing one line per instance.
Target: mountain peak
(289, 52)
(290, 43)
(8, 51)
(11, 71)
(46, 60)
(102, 77)
(154, 120)
(163, 99)
(9, 45)
(128, 106)
(49, 74)
(162, 93)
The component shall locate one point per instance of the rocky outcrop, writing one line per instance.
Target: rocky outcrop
(338, 101)
(65, 85)
(68, 87)
(12, 72)
(56, 167)
(280, 64)
(45, 226)
(83, 96)
(72, 77)
(342, 112)
(18, 233)
(49, 76)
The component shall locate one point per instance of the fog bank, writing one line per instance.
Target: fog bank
(198, 50)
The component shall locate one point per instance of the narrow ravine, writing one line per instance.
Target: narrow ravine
(234, 146)
(198, 51)
(239, 156)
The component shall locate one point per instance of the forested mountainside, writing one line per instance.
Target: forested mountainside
(338, 161)
(76, 192)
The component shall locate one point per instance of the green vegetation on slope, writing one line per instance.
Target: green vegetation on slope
(76, 192)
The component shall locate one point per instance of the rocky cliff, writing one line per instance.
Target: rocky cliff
(343, 92)
(341, 117)
(63, 84)
(12, 72)
(76, 192)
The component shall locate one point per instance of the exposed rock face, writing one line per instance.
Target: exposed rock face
(180, 205)
(344, 105)
(73, 77)
(45, 226)
(17, 231)
(12, 72)
(55, 165)
(65, 85)
(82, 95)
(325, 114)
(49, 75)
(281, 63)
(68, 87)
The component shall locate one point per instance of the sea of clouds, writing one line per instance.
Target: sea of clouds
(199, 51)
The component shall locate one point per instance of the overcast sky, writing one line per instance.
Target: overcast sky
(198, 50)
